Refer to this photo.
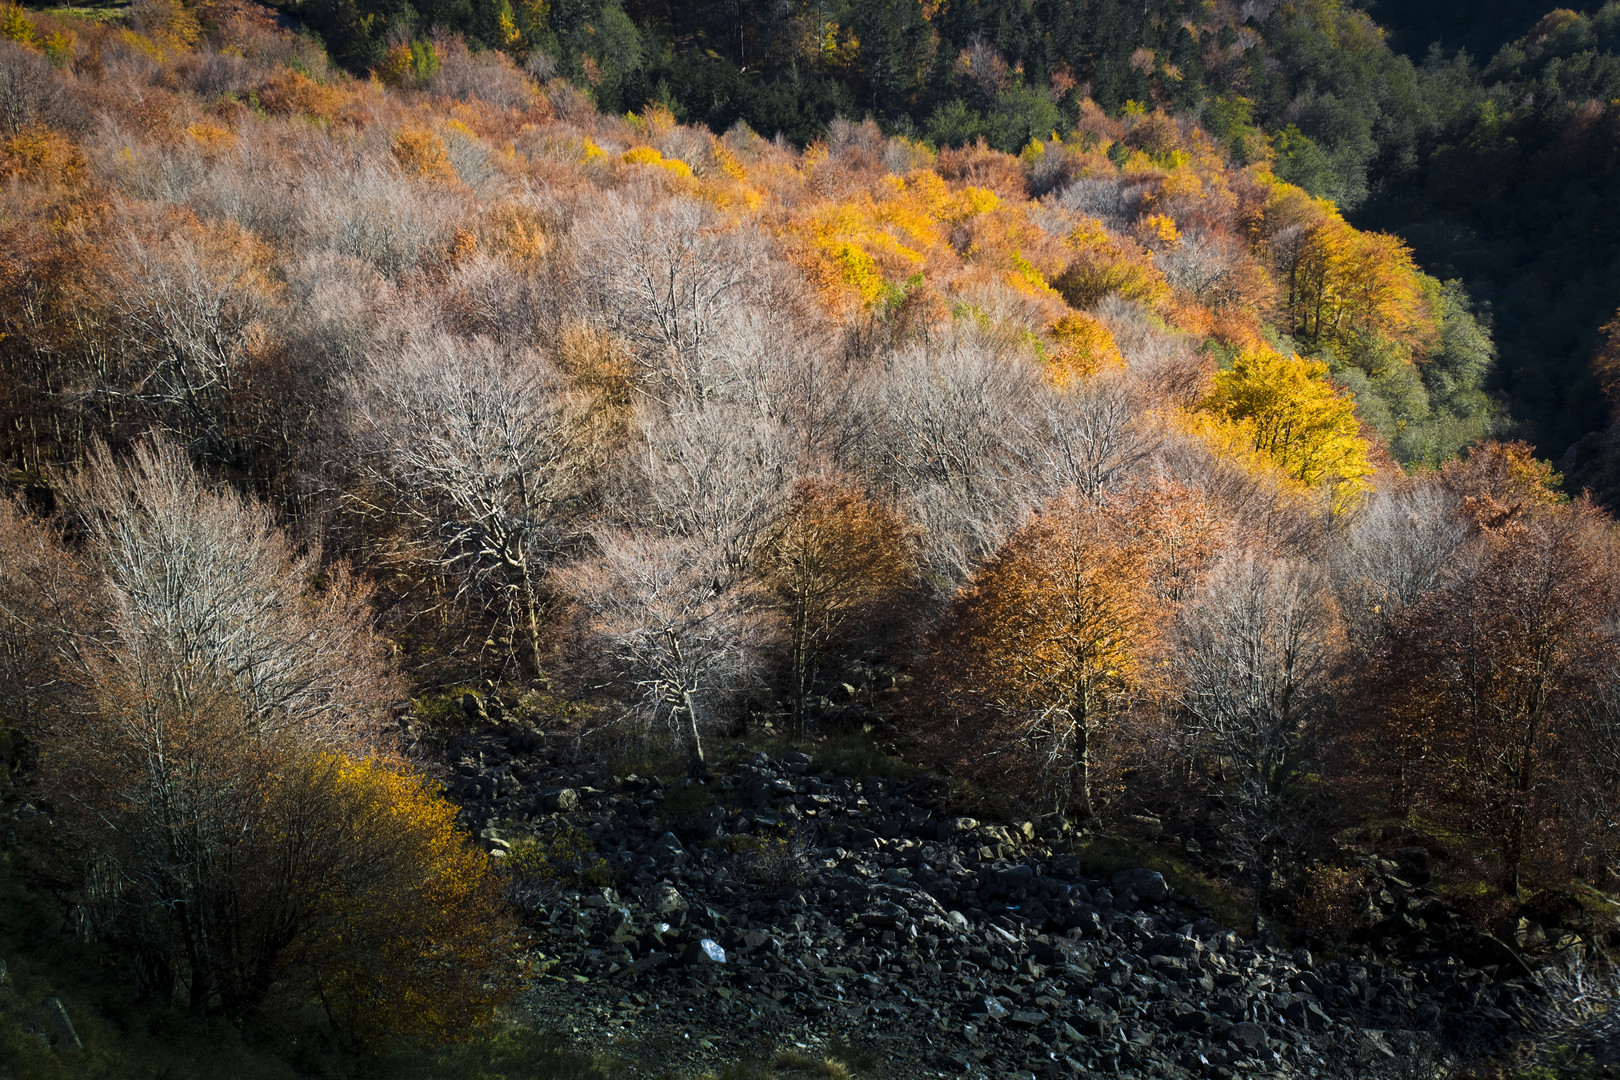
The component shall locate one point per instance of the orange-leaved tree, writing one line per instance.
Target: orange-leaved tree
(411, 925)
(836, 556)
(1042, 652)
(1483, 682)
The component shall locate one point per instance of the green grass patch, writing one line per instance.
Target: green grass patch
(94, 13)
(856, 752)
(1595, 901)
(1462, 889)
(441, 709)
(829, 1063)
(1104, 853)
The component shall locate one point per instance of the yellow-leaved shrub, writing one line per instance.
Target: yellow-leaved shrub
(414, 922)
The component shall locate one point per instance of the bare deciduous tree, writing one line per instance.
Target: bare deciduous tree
(669, 631)
(672, 613)
(1255, 653)
(203, 660)
(478, 449)
(29, 93)
(671, 278)
(716, 474)
(193, 309)
(1402, 543)
(205, 581)
(1096, 436)
(375, 214)
(955, 437)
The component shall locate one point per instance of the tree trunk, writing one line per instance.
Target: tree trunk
(801, 675)
(531, 605)
(1082, 759)
(695, 762)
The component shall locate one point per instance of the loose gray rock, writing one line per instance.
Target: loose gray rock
(61, 1027)
(667, 900)
(965, 946)
(704, 951)
(1143, 885)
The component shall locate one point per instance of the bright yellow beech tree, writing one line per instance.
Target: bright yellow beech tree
(857, 246)
(1287, 409)
(647, 155)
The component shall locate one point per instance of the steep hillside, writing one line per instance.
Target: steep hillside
(414, 478)
(1395, 135)
(1478, 26)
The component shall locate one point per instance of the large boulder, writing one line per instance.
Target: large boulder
(666, 900)
(1141, 886)
(61, 1027)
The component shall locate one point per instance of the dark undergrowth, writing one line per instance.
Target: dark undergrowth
(126, 1038)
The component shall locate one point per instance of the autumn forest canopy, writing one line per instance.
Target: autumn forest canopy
(1484, 137)
(1130, 409)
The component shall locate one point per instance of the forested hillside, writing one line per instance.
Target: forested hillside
(1480, 27)
(1401, 138)
(459, 486)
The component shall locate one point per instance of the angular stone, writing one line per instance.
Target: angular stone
(61, 1027)
(666, 900)
(560, 800)
(649, 962)
(885, 917)
(703, 952)
(1192, 1020)
(1144, 885)
(951, 828)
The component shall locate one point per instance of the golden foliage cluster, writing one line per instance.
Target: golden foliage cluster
(412, 937)
(422, 153)
(1287, 409)
(1081, 347)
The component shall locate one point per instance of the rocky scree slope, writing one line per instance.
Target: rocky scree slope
(778, 904)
